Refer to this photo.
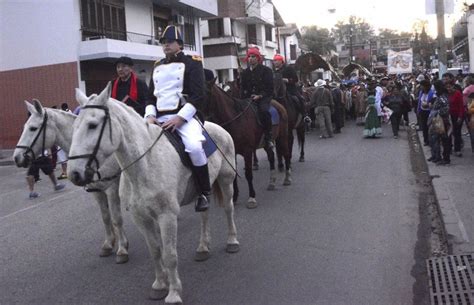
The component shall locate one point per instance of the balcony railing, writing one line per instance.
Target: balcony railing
(92, 34)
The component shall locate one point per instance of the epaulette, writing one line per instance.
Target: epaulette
(158, 62)
(196, 58)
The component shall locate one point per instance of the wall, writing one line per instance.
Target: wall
(470, 35)
(52, 85)
(207, 6)
(38, 33)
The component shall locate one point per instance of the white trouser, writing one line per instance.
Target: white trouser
(191, 134)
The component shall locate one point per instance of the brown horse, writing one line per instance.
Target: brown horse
(239, 118)
(295, 118)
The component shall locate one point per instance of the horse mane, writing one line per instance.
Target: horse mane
(239, 104)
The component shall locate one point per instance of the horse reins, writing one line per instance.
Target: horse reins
(92, 157)
(30, 148)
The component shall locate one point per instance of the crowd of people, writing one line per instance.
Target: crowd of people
(442, 108)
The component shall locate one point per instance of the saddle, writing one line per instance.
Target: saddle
(273, 113)
(209, 146)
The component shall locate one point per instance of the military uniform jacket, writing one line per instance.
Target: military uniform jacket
(177, 87)
(258, 81)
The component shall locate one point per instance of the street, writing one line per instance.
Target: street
(345, 232)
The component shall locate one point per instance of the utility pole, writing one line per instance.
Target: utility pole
(442, 58)
(350, 41)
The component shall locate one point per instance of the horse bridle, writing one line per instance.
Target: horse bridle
(92, 157)
(30, 148)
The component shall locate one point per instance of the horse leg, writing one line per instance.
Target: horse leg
(202, 252)
(300, 133)
(223, 190)
(168, 223)
(108, 245)
(281, 167)
(117, 223)
(271, 160)
(251, 202)
(281, 150)
(255, 160)
(147, 226)
(236, 190)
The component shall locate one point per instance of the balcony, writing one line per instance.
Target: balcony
(208, 41)
(114, 44)
(271, 44)
(259, 13)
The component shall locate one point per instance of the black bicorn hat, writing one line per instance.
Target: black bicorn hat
(124, 60)
(171, 33)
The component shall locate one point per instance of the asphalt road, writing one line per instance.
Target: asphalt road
(345, 232)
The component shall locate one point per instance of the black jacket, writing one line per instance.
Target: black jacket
(258, 81)
(123, 89)
(193, 83)
(290, 73)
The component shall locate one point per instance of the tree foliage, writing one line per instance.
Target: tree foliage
(318, 40)
(360, 29)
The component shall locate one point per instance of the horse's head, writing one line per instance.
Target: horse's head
(93, 140)
(37, 135)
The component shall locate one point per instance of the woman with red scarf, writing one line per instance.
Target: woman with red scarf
(128, 88)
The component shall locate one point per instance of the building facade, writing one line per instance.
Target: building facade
(49, 48)
(463, 41)
(240, 24)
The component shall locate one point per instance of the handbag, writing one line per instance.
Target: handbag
(438, 125)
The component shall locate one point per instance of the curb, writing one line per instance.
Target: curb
(457, 237)
(6, 162)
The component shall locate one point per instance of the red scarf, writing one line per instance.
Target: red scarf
(133, 93)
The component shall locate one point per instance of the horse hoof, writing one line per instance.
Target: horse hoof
(121, 259)
(232, 248)
(105, 252)
(287, 182)
(201, 256)
(271, 187)
(255, 167)
(251, 203)
(301, 159)
(158, 294)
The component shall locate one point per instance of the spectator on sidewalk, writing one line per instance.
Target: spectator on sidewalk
(425, 101)
(439, 126)
(470, 116)
(44, 164)
(394, 100)
(456, 111)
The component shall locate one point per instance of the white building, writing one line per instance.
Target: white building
(50, 47)
(239, 25)
(288, 42)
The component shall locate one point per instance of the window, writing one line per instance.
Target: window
(103, 18)
(268, 33)
(189, 37)
(216, 27)
(252, 33)
(292, 52)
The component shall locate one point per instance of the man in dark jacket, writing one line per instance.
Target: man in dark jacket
(128, 88)
(290, 78)
(257, 84)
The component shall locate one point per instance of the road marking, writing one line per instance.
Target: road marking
(40, 203)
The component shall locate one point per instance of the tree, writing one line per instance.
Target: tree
(361, 30)
(318, 40)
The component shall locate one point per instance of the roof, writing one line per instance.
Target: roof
(277, 17)
(289, 30)
(309, 62)
(347, 70)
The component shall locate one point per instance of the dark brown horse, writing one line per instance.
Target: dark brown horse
(295, 118)
(239, 118)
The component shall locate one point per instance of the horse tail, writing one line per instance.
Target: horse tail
(281, 110)
(218, 193)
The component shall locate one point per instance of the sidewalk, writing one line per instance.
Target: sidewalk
(6, 157)
(453, 186)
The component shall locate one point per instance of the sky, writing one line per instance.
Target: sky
(398, 15)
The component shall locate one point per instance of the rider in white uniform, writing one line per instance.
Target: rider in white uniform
(177, 92)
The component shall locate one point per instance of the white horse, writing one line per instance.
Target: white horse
(54, 127)
(154, 181)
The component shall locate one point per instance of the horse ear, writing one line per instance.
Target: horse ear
(30, 107)
(38, 106)
(81, 98)
(107, 92)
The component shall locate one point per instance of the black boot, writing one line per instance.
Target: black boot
(267, 129)
(202, 178)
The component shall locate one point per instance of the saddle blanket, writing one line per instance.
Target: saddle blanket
(209, 146)
(275, 115)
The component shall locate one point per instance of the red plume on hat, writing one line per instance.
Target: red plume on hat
(254, 51)
(278, 57)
